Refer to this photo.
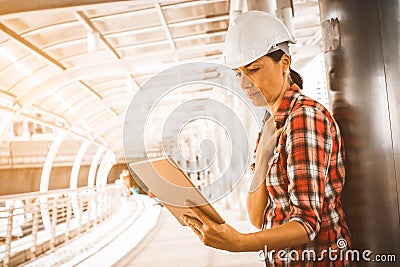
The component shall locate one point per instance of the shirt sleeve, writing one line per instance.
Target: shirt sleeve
(308, 147)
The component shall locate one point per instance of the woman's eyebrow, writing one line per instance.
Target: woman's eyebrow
(248, 65)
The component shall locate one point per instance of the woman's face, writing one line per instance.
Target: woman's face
(268, 76)
(251, 90)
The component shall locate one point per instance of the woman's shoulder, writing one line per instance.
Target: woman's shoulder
(305, 103)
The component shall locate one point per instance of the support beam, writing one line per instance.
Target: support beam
(73, 182)
(263, 5)
(143, 45)
(5, 121)
(236, 7)
(46, 58)
(90, 90)
(49, 60)
(192, 3)
(80, 15)
(93, 167)
(90, 27)
(10, 7)
(29, 46)
(107, 169)
(113, 67)
(85, 21)
(102, 166)
(285, 13)
(178, 24)
(19, 6)
(48, 164)
(165, 25)
(45, 178)
(178, 39)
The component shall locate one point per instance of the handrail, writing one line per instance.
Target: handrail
(50, 192)
(68, 213)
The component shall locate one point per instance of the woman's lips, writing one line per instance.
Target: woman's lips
(253, 94)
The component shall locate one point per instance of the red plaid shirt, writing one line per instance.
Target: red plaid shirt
(305, 179)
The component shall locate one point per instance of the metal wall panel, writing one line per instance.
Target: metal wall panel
(391, 48)
(362, 44)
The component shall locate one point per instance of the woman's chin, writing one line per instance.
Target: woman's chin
(259, 103)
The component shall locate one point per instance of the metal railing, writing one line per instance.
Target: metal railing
(33, 223)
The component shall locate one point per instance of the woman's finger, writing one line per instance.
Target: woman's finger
(199, 233)
(189, 219)
(200, 215)
(278, 132)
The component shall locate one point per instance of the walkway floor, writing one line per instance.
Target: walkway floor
(171, 245)
(151, 238)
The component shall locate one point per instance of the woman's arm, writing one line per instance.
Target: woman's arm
(286, 235)
(257, 198)
(225, 237)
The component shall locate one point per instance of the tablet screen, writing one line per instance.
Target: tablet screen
(172, 187)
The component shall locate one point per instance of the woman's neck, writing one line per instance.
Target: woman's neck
(275, 105)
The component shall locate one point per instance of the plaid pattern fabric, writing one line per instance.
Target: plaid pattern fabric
(267, 115)
(305, 178)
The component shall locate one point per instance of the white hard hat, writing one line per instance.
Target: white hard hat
(252, 35)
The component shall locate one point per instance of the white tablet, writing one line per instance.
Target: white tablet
(172, 187)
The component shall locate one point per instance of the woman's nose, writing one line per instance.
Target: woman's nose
(245, 82)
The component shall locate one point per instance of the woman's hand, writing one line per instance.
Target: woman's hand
(269, 137)
(220, 236)
(264, 152)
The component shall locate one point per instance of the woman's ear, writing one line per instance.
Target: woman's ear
(285, 62)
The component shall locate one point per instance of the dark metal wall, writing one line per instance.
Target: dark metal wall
(362, 53)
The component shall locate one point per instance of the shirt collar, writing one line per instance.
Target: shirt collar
(286, 105)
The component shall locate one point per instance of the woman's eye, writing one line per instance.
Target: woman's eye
(253, 70)
(238, 74)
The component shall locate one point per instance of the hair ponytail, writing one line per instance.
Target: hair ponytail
(296, 78)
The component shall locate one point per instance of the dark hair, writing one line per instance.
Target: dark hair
(295, 77)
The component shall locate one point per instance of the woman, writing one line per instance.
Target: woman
(297, 203)
(265, 145)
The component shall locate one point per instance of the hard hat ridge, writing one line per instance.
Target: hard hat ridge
(252, 35)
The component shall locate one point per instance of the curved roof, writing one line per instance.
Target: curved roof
(76, 65)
